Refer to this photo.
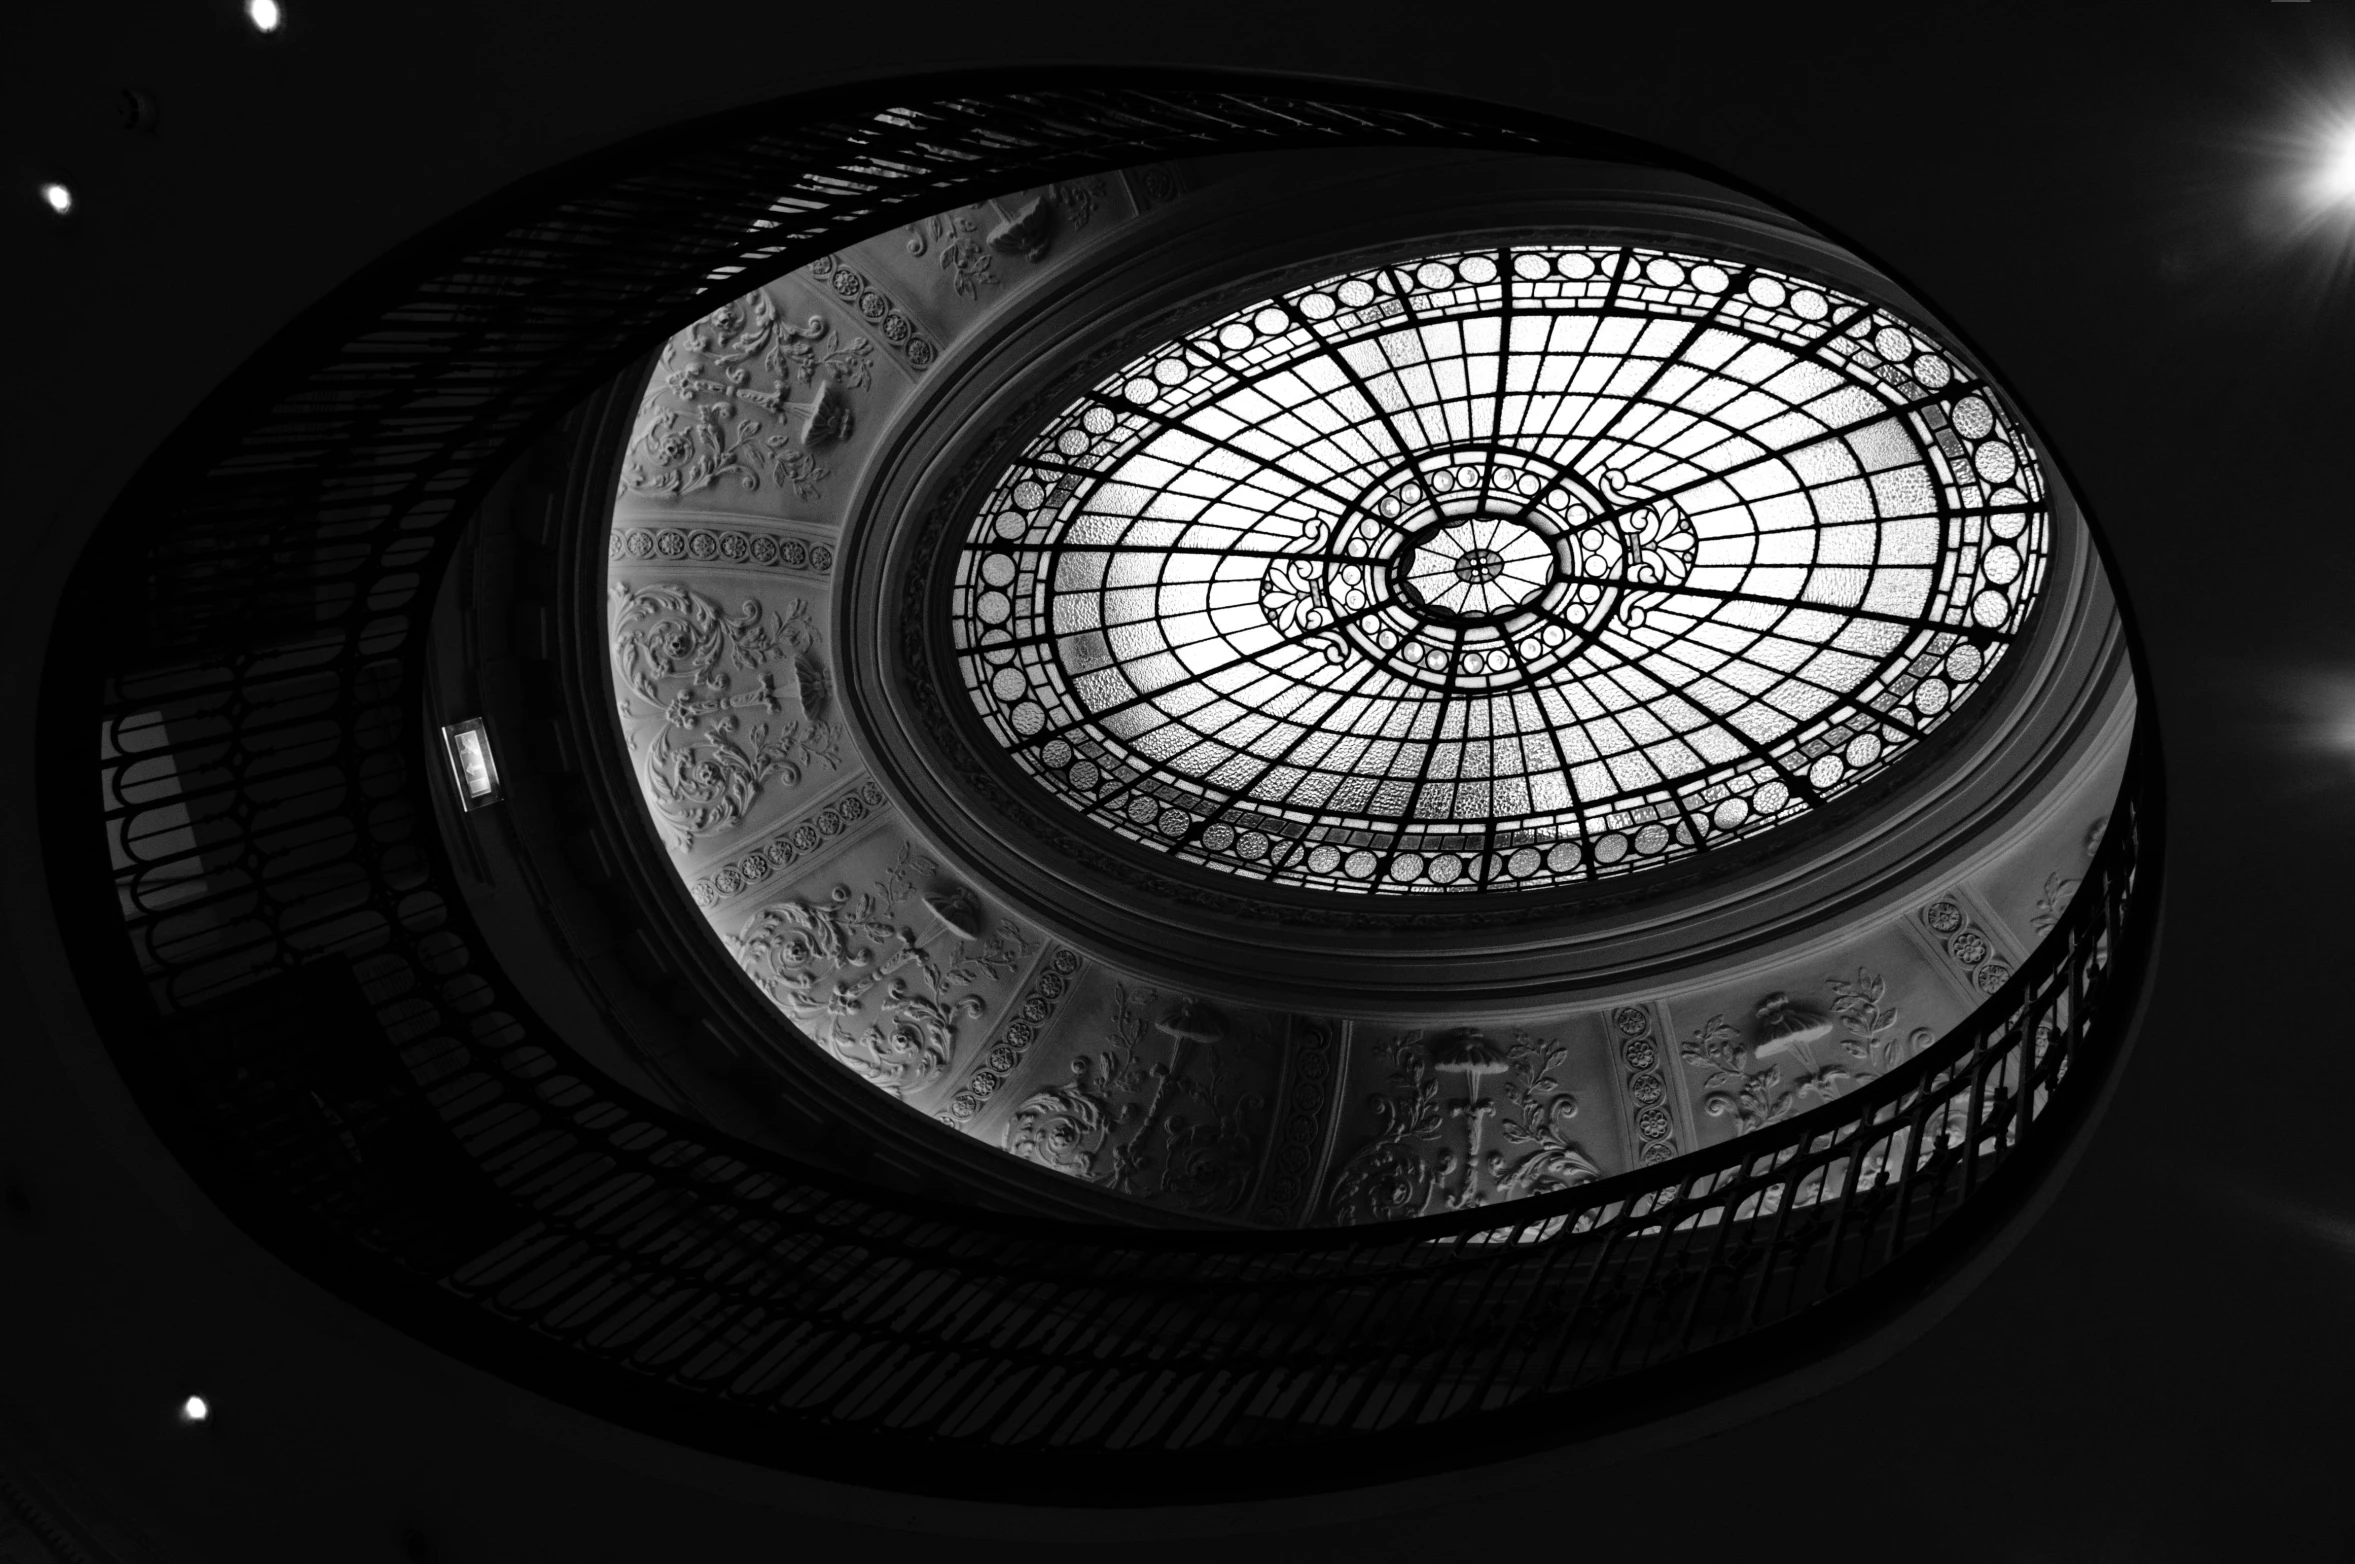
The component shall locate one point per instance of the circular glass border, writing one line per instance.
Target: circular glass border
(1583, 558)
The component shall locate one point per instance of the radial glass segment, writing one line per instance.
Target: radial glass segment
(1497, 569)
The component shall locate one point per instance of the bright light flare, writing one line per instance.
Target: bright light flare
(57, 198)
(264, 14)
(195, 1410)
(2337, 178)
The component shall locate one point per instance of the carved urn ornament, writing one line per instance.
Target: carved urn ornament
(1468, 1052)
(1027, 231)
(958, 910)
(1190, 1020)
(1787, 1031)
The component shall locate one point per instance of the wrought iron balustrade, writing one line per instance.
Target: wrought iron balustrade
(272, 940)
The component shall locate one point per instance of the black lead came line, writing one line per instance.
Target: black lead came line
(1328, 349)
(1320, 343)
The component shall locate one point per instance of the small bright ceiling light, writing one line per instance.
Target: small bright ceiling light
(57, 198)
(264, 14)
(195, 1410)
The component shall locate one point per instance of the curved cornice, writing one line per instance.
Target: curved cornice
(1495, 955)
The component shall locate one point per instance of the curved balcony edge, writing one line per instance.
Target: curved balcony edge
(267, 929)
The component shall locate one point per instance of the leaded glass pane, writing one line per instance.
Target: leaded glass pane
(1504, 568)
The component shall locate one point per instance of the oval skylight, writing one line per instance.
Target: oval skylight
(1499, 569)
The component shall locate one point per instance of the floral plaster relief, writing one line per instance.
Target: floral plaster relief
(889, 967)
(747, 402)
(954, 261)
(1161, 1111)
(1759, 1060)
(1463, 1119)
(724, 706)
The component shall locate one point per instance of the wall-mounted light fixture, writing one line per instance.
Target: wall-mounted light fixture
(472, 766)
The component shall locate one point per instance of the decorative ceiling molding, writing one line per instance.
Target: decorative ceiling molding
(761, 661)
(1498, 569)
(1496, 954)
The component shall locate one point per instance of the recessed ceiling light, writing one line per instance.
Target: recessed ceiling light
(473, 766)
(195, 1410)
(264, 14)
(57, 197)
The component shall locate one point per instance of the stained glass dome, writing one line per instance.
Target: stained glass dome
(1503, 568)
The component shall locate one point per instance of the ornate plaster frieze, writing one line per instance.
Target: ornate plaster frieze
(1303, 1129)
(1651, 1120)
(720, 547)
(910, 343)
(1164, 1111)
(1976, 951)
(2060, 885)
(963, 259)
(1463, 1119)
(1049, 984)
(746, 399)
(1153, 184)
(753, 499)
(722, 705)
(1797, 1051)
(799, 846)
(888, 977)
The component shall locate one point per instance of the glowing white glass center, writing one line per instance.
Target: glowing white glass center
(1498, 569)
(1480, 568)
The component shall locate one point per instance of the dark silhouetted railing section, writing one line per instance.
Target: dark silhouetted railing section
(318, 1031)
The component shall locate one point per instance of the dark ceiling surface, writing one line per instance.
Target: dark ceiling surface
(2101, 196)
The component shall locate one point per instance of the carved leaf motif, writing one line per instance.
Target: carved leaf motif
(1386, 1182)
(1062, 1129)
(706, 776)
(1174, 1132)
(1412, 1157)
(810, 354)
(671, 631)
(963, 254)
(998, 955)
(708, 783)
(1716, 1047)
(709, 373)
(912, 1044)
(677, 454)
(1078, 199)
(1858, 1005)
(823, 962)
(1861, 1010)
(2059, 890)
(1751, 1097)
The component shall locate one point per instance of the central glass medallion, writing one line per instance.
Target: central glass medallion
(1498, 569)
(1479, 568)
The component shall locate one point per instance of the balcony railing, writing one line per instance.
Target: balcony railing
(274, 946)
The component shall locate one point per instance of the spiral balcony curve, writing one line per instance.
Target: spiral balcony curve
(275, 937)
